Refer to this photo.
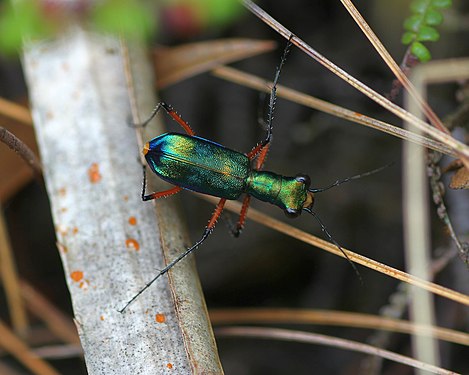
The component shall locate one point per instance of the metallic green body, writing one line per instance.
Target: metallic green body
(207, 167)
(198, 164)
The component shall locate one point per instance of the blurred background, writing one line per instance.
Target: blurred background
(264, 268)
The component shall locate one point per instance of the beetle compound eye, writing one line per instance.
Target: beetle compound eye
(304, 179)
(292, 213)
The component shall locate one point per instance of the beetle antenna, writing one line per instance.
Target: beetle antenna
(340, 182)
(324, 229)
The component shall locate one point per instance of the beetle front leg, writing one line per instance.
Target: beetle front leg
(236, 230)
(158, 194)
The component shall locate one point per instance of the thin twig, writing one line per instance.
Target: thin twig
(314, 338)
(329, 317)
(252, 81)
(21, 149)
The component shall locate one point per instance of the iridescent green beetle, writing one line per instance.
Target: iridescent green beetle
(197, 164)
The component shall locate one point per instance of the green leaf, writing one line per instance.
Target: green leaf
(126, 17)
(442, 4)
(24, 22)
(428, 33)
(413, 23)
(420, 51)
(433, 18)
(214, 12)
(420, 25)
(408, 37)
(223, 11)
(11, 39)
(419, 6)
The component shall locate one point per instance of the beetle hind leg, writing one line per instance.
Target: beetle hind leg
(259, 163)
(238, 228)
(170, 111)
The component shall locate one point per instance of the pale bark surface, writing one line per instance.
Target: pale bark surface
(111, 242)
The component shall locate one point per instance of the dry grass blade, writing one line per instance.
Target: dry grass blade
(53, 352)
(8, 369)
(10, 279)
(314, 338)
(393, 66)
(357, 258)
(457, 146)
(21, 351)
(335, 318)
(260, 84)
(57, 322)
(15, 111)
(177, 63)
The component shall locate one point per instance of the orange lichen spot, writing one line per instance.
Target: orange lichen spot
(101, 317)
(75, 230)
(160, 318)
(169, 365)
(133, 244)
(93, 173)
(49, 115)
(126, 198)
(62, 191)
(132, 220)
(64, 209)
(77, 276)
(61, 229)
(62, 248)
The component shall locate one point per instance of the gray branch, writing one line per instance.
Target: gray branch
(81, 109)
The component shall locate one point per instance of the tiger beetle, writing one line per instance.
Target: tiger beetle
(197, 164)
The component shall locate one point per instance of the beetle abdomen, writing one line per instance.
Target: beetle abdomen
(198, 164)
